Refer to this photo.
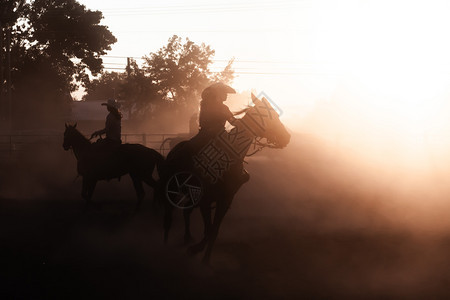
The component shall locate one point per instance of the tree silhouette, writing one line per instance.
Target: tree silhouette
(138, 94)
(55, 44)
(107, 85)
(181, 71)
(170, 80)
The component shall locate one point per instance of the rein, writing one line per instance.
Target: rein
(259, 146)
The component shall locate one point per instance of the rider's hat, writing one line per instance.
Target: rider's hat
(217, 88)
(112, 103)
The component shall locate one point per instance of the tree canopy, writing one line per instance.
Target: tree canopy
(54, 45)
(181, 71)
(171, 78)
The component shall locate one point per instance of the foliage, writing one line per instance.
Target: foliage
(140, 94)
(171, 79)
(133, 88)
(107, 85)
(53, 43)
(181, 71)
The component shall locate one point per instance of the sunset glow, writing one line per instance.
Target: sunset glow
(225, 149)
(390, 57)
(394, 56)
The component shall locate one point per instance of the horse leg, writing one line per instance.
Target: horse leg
(87, 189)
(221, 210)
(150, 181)
(84, 193)
(140, 193)
(155, 185)
(187, 225)
(167, 220)
(206, 216)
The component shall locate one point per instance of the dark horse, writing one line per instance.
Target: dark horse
(96, 164)
(219, 165)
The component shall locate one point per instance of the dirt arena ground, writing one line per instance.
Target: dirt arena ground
(307, 225)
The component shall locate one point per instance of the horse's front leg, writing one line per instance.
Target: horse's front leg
(140, 193)
(205, 208)
(168, 211)
(221, 209)
(87, 189)
(187, 225)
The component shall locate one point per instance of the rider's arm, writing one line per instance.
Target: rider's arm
(98, 133)
(228, 114)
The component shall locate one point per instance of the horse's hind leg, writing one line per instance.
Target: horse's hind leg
(155, 185)
(221, 210)
(205, 209)
(140, 193)
(87, 190)
(167, 220)
(150, 181)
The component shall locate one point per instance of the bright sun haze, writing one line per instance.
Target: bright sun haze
(380, 69)
(393, 57)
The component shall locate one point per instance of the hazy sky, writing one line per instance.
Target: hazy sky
(299, 52)
(268, 39)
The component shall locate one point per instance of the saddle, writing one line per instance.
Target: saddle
(198, 156)
(101, 158)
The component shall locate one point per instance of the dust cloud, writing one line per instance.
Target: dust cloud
(315, 220)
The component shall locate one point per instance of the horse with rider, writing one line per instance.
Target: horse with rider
(200, 172)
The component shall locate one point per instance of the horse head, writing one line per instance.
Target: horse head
(69, 135)
(264, 121)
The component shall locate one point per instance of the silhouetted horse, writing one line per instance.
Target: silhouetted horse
(100, 163)
(218, 164)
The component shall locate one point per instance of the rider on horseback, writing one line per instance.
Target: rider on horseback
(113, 125)
(213, 112)
(213, 116)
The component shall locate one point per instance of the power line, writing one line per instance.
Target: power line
(256, 73)
(220, 8)
(223, 60)
(215, 5)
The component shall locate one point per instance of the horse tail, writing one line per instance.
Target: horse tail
(161, 148)
(160, 160)
(159, 188)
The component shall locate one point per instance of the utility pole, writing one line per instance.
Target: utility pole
(8, 74)
(128, 80)
(128, 66)
(2, 101)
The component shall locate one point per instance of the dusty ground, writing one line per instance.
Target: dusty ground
(314, 228)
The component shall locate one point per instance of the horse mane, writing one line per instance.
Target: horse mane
(80, 136)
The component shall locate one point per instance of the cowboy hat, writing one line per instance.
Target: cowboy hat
(217, 88)
(112, 103)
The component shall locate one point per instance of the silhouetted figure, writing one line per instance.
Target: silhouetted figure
(213, 113)
(216, 162)
(213, 116)
(134, 159)
(113, 126)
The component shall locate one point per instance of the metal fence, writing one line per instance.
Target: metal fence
(14, 143)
